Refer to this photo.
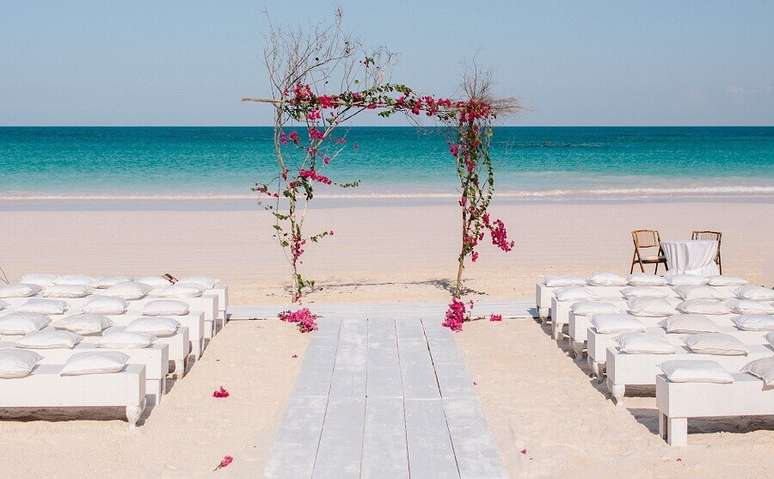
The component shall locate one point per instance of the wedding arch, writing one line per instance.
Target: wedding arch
(303, 67)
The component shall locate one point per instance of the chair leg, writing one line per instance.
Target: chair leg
(656, 270)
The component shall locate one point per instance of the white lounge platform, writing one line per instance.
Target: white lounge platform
(677, 402)
(45, 388)
(383, 398)
(641, 369)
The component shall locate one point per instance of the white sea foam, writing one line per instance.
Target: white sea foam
(740, 190)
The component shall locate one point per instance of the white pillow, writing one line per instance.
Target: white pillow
(602, 279)
(17, 363)
(572, 293)
(695, 371)
(154, 281)
(645, 279)
(39, 279)
(165, 307)
(120, 339)
(105, 305)
(49, 339)
(755, 293)
(704, 306)
(66, 291)
(746, 306)
(584, 308)
(616, 323)
(43, 306)
(698, 292)
(716, 343)
(84, 323)
(686, 280)
(761, 368)
(726, 281)
(645, 292)
(101, 362)
(130, 290)
(690, 323)
(754, 322)
(159, 327)
(20, 290)
(651, 307)
(201, 281)
(23, 323)
(73, 280)
(645, 343)
(108, 281)
(179, 290)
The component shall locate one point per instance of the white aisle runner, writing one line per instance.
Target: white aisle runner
(383, 398)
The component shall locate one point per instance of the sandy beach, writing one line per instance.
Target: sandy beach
(547, 416)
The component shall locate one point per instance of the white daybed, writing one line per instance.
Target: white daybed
(45, 388)
(676, 402)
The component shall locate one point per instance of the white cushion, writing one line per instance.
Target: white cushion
(573, 293)
(644, 279)
(84, 323)
(159, 327)
(66, 291)
(704, 306)
(761, 368)
(645, 343)
(49, 339)
(584, 308)
(755, 293)
(105, 305)
(651, 307)
(746, 306)
(716, 343)
(616, 323)
(108, 281)
(180, 290)
(645, 292)
(726, 281)
(690, 323)
(695, 371)
(607, 279)
(153, 281)
(73, 280)
(40, 279)
(686, 280)
(20, 290)
(101, 362)
(23, 323)
(754, 322)
(43, 306)
(165, 307)
(17, 363)
(698, 292)
(118, 339)
(130, 290)
(203, 282)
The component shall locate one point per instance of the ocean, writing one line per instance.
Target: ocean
(555, 163)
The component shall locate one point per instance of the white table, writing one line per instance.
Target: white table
(691, 256)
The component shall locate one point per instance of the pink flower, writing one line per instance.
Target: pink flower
(314, 176)
(224, 462)
(220, 393)
(283, 138)
(496, 317)
(327, 160)
(474, 256)
(316, 134)
(293, 136)
(313, 114)
(454, 149)
(455, 315)
(303, 317)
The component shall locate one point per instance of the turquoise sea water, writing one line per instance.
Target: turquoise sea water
(531, 162)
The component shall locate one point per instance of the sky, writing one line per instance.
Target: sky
(174, 62)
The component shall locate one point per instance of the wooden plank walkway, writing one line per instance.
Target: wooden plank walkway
(383, 398)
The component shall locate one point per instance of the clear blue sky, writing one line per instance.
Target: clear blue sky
(170, 62)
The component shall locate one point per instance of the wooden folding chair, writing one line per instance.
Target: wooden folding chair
(647, 240)
(711, 236)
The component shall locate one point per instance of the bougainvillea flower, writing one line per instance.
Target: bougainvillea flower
(220, 393)
(224, 462)
(496, 317)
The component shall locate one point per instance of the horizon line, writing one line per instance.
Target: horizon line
(563, 125)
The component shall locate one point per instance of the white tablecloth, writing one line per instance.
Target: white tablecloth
(691, 256)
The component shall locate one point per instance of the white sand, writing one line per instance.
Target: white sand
(534, 396)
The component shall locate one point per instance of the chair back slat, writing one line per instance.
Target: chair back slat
(707, 235)
(646, 239)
